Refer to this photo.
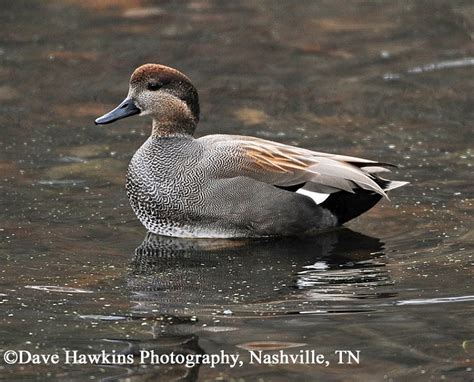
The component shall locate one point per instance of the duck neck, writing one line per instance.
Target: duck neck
(167, 128)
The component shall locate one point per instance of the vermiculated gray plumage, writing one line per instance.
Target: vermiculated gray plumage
(174, 191)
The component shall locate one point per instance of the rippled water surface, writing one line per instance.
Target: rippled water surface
(391, 81)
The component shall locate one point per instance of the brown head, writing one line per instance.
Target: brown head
(165, 94)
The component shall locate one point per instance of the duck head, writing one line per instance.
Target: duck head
(165, 94)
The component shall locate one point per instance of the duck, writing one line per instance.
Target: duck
(233, 186)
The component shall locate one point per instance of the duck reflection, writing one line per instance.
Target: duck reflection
(177, 277)
(175, 282)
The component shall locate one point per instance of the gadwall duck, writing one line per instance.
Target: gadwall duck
(231, 185)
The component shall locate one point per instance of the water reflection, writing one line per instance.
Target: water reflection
(183, 288)
(173, 276)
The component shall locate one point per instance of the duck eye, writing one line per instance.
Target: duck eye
(153, 85)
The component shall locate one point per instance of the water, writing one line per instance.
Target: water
(383, 80)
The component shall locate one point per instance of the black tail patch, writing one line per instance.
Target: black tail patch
(347, 206)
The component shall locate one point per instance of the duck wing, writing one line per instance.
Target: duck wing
(286, 166)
